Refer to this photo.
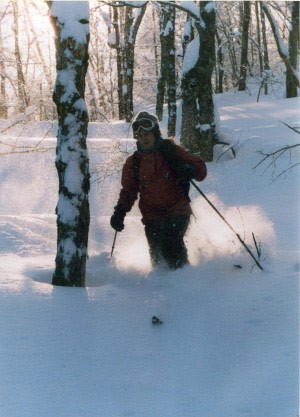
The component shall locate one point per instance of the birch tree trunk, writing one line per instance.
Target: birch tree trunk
(71, 24)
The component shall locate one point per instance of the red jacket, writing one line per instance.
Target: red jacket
(160, 194)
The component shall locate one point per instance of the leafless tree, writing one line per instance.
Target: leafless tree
(289, 59)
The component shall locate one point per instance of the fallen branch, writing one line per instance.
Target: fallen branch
(257, 246)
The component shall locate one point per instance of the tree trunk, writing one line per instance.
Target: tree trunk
(189, 135)
(171, 80)
(198, 127)
(72, 162)
(128, 69)
(167, 77)
(282, 50)
(23, 97)
(231, 43)
(264, 74)
(116, 25)
(291, 86)
(219, 66)
(258, 31)
(245, 37)
(3, 105)
(111, 84)
(162, 79)
(39, 49)
(132, 25)
(125, 37)
(188, 34)
(155, 43)
(266, 65)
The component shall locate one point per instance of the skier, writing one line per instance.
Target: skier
(159, 171)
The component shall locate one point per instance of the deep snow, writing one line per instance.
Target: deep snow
(229, 343)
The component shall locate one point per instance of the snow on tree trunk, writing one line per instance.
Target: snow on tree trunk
(282, 49)
(71, 24)
(198, 125)
(162, 79)
(167, 77)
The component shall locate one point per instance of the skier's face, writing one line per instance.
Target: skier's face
(146, 139)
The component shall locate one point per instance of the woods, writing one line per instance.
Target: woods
(104, 61)
(137, 53)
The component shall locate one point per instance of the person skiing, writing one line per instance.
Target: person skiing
(159, 172)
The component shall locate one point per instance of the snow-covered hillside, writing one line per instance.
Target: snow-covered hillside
(228, 346)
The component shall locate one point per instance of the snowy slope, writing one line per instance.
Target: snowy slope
(229, 343)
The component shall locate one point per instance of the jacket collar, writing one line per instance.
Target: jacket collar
(156, 146)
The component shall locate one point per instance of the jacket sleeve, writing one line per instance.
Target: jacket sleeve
(196, 160)
(130, 187)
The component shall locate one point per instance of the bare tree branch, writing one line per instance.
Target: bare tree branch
(274, 156)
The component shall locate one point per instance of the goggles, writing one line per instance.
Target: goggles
(145, 124)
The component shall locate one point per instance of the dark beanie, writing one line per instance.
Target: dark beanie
(146, 115)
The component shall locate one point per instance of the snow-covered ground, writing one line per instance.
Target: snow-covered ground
(228, 346)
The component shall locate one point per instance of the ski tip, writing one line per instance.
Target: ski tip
(155, 320)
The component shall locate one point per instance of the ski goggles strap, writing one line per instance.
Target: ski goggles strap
(145, 124)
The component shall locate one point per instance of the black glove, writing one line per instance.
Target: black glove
(186, 172)
(117, 219)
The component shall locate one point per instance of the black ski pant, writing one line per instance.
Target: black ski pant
(165, 240)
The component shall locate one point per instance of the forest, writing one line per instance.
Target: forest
(137, 49)
(77, 299)
(103, 61)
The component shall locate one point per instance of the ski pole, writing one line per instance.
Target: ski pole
(231, 228)
(113, 245)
